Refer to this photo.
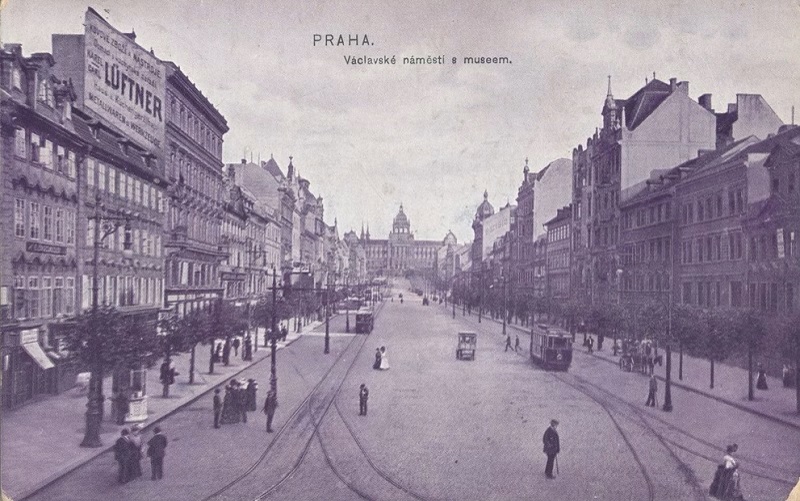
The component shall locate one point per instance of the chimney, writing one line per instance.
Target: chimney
(705, 101)
(673, 84)
(244, 161)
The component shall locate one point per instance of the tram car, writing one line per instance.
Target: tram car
(551, 350)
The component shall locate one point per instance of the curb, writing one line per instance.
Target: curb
(103, 449)
(683, 386)
(723, 400)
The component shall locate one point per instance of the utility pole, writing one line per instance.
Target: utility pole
(273, 375)
(327, 316)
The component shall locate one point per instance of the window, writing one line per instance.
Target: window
(101, 176)
(719, 204)
(71, 164)
(32, 298)
(90, 168)
(112, 180)
(123, 185)
(773, 297)
(20, 147)
(35, 147)
(48, 223)
(47, 297)
(45, 94)
(16, 78)
(130, 191)
(61, 160)
(34, 220)
(700, 211)
(46, 154)
(58, 296)
(69, 296)
(791, 244)
(19, 218)
(731, 203)
(60, 225)
(709, 209)
(789, 297)
(687, 293)
(739, 201)
(70, 227)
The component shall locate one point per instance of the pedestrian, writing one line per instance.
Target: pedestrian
(363, 396)
(552, 447)
(377, 364)
(252, 388)
(230, 413)
(590, 343)
(217, 407)
(726, 479)
(516, 342)
(136, 451)
(508, 342)
(247, 352)
(270, 404)
(284, 333)
(651, 394)
(384, 359)
(156, 449)
(761, 382)
(123, 452)
(600, 339)
(226, 352)
(236, 344)
(218, 353)
(241, 402)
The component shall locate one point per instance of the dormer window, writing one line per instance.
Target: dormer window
(16, 78)
(45, 93)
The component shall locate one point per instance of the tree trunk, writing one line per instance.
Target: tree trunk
(191, 365)
(680, 360)
(211, 358)
(712, 373)
(750, 372)
(797, 373)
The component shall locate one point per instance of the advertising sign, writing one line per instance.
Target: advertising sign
(124, 84)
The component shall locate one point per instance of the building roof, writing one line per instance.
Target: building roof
(485, 209)
(641, 104)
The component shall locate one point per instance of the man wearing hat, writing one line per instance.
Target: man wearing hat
(156, 450)
(363, 396)
(551, 447)
(123, 452)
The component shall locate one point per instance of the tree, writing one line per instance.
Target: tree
(686, 329)
(102, 340)
(792, 338)
(748, 333)
(195, 328)
(715, 342)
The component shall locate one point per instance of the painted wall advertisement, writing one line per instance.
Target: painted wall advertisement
(125, 84)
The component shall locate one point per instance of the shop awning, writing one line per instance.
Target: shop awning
(37, 353)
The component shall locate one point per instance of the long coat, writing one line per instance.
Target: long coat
(551, 442)
(156, 446)
(270, 404)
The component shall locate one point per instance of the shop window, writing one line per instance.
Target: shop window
(19, 218)
(70, 224)
(47, 225)
(34, 220)
(19, 297)
(32, 298)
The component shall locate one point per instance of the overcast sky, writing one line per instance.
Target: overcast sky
(434, 137)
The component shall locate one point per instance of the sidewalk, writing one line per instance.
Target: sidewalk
(730, 383)
(40, 441)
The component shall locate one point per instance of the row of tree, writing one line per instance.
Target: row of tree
(714, 334)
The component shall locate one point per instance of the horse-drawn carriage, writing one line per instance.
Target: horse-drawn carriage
(639, 355)
(467, 345)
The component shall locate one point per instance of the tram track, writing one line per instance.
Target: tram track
(316, 407)
(646, 418)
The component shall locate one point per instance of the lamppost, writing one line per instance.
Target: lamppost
(668, 386)
(327, 316)
(273, 374)
(505, 314)
(453, 296)
(94, 412)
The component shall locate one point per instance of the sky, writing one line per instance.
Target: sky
(434, 137)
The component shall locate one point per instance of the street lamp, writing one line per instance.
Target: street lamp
(668, 386)
(94, 412)
(328, 315)
(273, 375)
(505, 314)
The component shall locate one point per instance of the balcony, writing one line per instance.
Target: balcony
(178, 237)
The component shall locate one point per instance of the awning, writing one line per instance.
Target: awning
(37, 353)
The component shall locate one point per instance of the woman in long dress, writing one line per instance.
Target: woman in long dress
(384, 359)
(728, 487)
(377, 364)
(230, 404)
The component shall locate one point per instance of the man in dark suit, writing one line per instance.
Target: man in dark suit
(551, 447)
(156, 449)
(217, 408)
(123, 453)
(270, 404)
(363, 396)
